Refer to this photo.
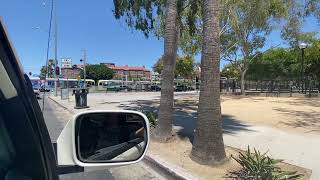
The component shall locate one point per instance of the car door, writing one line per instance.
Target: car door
(26, 151)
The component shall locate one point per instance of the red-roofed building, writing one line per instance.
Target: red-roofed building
(132, 72)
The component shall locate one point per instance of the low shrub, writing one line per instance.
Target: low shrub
(259, 166)
(153, 118)
(151, 115)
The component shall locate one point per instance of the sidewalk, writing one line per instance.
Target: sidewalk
(297, 149)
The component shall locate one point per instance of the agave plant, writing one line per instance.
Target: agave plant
(153, 118)
(151, 115)
(258, 166)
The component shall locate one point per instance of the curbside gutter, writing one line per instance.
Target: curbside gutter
(60, 105)
(170, 171)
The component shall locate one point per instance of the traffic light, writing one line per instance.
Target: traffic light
(57, 70)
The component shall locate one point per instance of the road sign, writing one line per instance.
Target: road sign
(66, 63)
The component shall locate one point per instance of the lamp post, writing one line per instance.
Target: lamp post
(302, 46)
(228, 83)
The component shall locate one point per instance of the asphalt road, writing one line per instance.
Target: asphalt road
(56, 117)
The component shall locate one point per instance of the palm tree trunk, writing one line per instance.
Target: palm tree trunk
(208, 146)
(164, 129)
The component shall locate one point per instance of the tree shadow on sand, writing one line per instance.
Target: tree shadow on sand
(302, 101)
(185, 124)
(301, 118)
(185, 117)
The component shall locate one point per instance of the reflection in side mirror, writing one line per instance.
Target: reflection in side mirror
(104, 137)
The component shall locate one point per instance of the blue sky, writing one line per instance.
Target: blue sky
(83, 24)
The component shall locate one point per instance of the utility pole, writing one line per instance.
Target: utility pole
(55, 49)
(84, 67)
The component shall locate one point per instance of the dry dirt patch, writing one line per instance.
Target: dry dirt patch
(178, 150)
(294, 114)
(289, 114)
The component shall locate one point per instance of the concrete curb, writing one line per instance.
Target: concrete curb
(171, 171)
(60, 105)
(175, 172)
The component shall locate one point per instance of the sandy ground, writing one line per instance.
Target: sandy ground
(178, 150)
(300, 115)
(295, 114)
(288, 114)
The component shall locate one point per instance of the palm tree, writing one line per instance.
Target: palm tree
(164, 129)
(208, 146)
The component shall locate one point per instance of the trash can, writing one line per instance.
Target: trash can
(80, 95)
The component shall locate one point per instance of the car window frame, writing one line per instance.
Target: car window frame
(24, 89)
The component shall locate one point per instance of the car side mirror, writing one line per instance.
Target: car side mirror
(103, 138)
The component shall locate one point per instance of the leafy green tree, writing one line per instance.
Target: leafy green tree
(185, 67)
(312, 57)
(158, 66)
(284, 64)
(49, 70)
(229, 71)
(277, 63)
(98, 72)
(298, 13)
(249, 24)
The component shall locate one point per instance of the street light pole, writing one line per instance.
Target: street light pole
(55, 48)
(228, 84)
(302, 46)
(302, 70)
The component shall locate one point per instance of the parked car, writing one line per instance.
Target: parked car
(44, 89)
(112, 86)
(36, 92)
(180, 88)
(125, 88)
(155, 88)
